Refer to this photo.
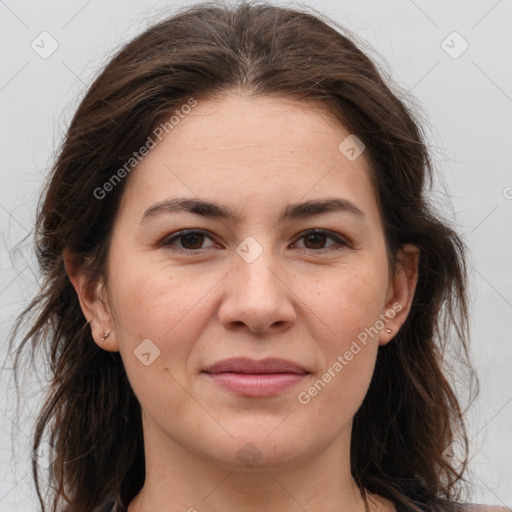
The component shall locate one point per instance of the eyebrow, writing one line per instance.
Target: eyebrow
(214, 210)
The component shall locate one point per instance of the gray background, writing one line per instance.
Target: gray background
(466, 100)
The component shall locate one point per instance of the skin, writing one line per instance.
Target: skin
(306, 300)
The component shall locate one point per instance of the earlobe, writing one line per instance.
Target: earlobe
(401, 291)
(94, 303)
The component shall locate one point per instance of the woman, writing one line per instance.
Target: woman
(261, 369)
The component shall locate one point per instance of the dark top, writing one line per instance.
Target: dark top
(115, 504)
(112, 504)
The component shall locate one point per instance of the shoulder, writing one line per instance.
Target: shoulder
(471, 507)
(112, 503)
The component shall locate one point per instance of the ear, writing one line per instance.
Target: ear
(400, 292)
(94, 303)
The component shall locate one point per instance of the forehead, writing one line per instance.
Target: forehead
(259, 128)
(246, 150)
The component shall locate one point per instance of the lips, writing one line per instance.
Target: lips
(250, 366)
(257, 379)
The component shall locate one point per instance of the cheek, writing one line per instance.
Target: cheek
(158, 319)
(153, 301)
(348, 301)
(348, 355)
(348, 306)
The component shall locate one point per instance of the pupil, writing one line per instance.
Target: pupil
(315, 235)
(194, 236)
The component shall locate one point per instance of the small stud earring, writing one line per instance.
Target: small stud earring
(389, 331)
(105, 335)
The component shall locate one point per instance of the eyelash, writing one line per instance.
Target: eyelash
(167, 242)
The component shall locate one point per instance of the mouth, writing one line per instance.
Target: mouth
(248, 377)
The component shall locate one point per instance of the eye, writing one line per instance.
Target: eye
(316, 238)
(191, 240)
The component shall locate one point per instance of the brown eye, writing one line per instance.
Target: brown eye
(315, 240)
(191, 240)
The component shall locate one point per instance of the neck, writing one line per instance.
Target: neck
(179, 480)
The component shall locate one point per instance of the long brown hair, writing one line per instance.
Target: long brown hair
(91, 416)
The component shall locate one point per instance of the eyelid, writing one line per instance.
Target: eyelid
(167, 240)
(329, 234)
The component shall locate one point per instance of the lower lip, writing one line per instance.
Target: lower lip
(260, 384)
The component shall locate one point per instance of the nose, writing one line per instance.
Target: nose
(258, 297)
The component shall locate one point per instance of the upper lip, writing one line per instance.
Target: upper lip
(246, 365)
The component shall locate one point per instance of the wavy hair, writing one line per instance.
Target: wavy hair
(91, 417)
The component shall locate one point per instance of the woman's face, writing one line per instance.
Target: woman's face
(322, 301)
